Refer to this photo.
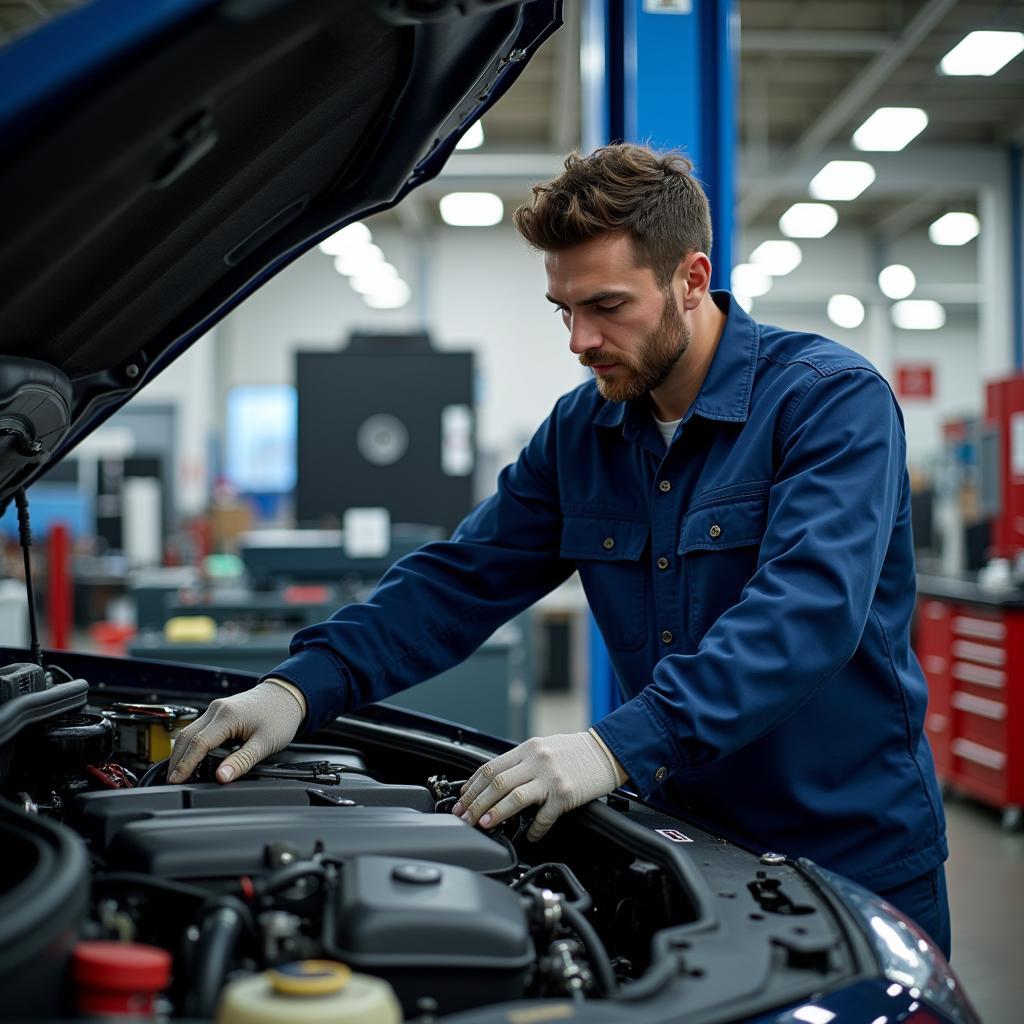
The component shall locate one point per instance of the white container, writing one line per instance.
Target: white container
(309, 992)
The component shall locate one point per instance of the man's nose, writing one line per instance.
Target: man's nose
(584, 335)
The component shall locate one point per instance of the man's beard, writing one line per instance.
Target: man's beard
(652, 364)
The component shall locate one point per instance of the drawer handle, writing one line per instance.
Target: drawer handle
(937, 723)
(985, 756)
(968, 673)
(979, 652)
(978, 705)
(984, 629)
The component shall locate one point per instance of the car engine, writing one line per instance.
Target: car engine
(333, 876)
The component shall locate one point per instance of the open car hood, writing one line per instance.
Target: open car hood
(159, 162)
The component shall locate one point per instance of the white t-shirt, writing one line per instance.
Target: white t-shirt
(667, 429)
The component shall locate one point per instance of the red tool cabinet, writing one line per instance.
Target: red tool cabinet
(972, 654)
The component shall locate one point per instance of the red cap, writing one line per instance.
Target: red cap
(122, 966)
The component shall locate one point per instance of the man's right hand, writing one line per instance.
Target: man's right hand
(266, 717)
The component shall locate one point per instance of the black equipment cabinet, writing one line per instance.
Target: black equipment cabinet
(385, 424)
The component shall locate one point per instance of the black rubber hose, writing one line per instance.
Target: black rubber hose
(153, 772)
(287, 876)
(598, 955)
(656, 979)
(165, 885)
(215, 947)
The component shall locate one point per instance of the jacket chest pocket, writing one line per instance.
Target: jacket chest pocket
(610, 557)
(720, 545)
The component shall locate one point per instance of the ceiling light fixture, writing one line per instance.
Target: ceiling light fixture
(897, 281)
(750, 281)
(353, 261)
(889, 129)
(390, 295)
(473, 137)
(842, 179)
(954, 229)
(982, 53)
(846, 311)
(808, 220)
(373, 277)
(471, 209)
(351, 237)
(918, 315)
(777, 257)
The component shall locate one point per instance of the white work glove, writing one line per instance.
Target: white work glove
(557, 772)
(267, 717)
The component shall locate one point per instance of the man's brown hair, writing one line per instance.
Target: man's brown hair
(622, 187)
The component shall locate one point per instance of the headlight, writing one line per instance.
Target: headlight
(906, 955)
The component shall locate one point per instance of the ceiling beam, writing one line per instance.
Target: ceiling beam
(813, 41)
(849, 102)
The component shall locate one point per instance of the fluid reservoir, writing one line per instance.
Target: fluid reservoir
(119, 979)
(309, 992)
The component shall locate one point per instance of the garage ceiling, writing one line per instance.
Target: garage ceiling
(811, 71)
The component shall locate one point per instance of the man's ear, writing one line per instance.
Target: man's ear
(692, 279)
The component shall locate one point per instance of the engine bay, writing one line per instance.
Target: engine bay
(343, 851)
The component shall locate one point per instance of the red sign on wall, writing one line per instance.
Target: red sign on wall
(915, 380)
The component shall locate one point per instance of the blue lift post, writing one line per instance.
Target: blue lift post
(662, 73)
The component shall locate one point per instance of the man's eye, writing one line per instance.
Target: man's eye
(611, 309)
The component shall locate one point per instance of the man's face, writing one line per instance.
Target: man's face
(621, 322)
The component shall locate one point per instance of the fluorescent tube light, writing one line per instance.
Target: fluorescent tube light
(808, 220)
(777, 257)
(373, 277)
(474, 137)
(846, 311)
(351, 237)
(749, 280)
(471, 209)
(897, 281)
(390, 295)
(918, 315)
(890, 128)
(352, 261)
(982, 53)
(954, 229)
(842, 179)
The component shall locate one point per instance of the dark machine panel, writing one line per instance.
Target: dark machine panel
(385, 425)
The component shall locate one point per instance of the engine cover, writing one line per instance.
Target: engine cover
(432, 930)
(222, 843)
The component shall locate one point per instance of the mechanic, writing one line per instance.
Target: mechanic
(736, 500)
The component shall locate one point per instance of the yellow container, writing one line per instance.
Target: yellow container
(309, 992)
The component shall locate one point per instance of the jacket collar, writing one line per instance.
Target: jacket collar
(725, 393)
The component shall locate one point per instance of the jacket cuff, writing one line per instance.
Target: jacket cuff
(323, 681)
(641, 742)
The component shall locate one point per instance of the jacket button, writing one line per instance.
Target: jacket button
(666, 636)
(664, 487)
(661, 774)
(715, 531)
(663, 562)
(609, 543)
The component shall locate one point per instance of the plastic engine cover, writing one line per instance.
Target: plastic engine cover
(99, 816)
(227, 842)
(432, 930)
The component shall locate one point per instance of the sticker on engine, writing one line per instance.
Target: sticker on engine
(674, 834)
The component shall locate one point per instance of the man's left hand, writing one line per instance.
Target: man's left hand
(556, 772)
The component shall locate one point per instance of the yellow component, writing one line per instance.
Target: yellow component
(162, 736)
(190, 629)
(310, 978)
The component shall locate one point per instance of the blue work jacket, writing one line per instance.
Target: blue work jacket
(754, 583)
